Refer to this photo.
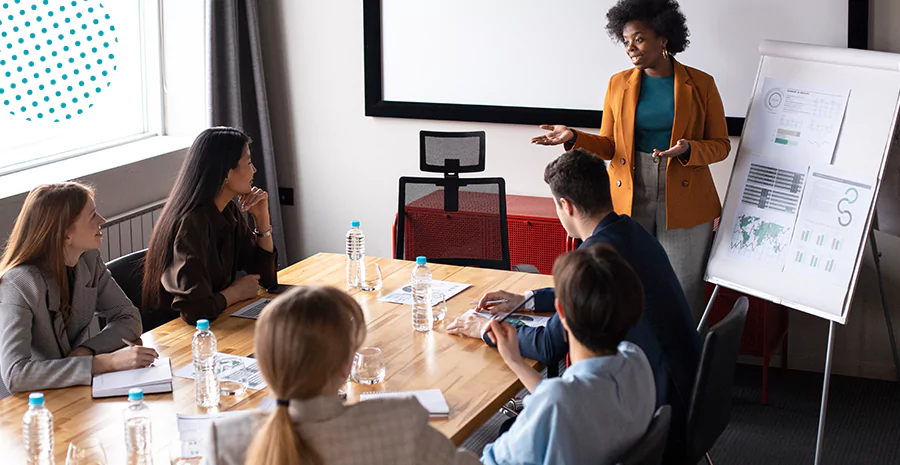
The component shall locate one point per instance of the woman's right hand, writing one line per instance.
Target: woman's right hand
(243, 288)
(559, 134)
(126, 358)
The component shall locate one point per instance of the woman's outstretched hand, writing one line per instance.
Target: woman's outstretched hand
(559, 134)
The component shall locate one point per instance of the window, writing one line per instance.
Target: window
(82, 71)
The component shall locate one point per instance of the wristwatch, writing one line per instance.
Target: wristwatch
(263, 234)
(571, 142)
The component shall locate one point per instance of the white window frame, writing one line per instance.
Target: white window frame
(153, 82)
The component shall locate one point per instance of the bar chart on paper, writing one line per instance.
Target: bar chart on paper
(769, 203)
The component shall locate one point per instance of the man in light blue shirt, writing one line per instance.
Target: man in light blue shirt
(604, 402)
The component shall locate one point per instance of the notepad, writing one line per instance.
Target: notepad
(432, 399)
(153, 379)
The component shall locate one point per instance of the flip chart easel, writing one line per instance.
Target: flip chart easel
(801, 198)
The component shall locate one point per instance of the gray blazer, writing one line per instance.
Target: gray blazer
(34, 345)
(373, 432)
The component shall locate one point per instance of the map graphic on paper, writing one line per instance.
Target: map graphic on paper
(760, 239)
(764, 221)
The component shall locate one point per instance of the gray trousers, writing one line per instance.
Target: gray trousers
(688, 248)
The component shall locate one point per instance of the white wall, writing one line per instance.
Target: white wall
(344, 166)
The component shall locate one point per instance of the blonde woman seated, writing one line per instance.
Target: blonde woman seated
(305, 342)
(52, 283)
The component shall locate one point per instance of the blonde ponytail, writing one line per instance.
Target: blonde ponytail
(288, 341)
(279, 442)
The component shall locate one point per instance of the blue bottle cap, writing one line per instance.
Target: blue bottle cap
(135, 394)
(202, 325)
(420, 260)
(354, 224)
(36, 398)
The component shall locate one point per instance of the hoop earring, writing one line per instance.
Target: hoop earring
(666, 54)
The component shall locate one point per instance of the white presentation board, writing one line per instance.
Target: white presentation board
(809, 165)
(539, 54)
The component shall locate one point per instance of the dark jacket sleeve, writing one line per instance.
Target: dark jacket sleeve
(252, 258)
(188, 280)
(544, 300)
(545, 344)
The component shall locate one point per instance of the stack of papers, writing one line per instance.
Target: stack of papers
(153, 379)
(432, 399)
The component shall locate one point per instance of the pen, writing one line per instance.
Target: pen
(129, 343)
(491, 302)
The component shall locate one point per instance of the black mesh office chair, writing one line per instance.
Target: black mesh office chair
(710, 408)
(463, 224)
(453, 220)
(128, 271)
(650, 449)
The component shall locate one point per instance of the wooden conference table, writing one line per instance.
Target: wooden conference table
(472, 376)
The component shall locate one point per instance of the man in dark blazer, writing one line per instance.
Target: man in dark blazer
(580, 186)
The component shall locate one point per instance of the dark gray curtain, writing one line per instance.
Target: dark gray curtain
(237, 92)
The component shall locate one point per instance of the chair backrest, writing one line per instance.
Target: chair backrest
(710, 408)
(451, 152)
(128, 271)
(453, 221)
(650, 449)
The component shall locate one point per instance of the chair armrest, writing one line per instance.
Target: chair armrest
(526, 269)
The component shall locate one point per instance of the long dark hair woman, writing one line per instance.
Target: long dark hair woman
(663, 125)
(202, 241)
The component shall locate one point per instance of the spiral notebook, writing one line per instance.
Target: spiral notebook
(432, 399)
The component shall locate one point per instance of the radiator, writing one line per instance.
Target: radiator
(130, 231)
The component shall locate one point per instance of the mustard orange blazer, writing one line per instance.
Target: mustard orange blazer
(691, 197)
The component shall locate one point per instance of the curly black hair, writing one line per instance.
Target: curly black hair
(663, 16)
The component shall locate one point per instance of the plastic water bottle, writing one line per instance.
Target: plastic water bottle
(356, 254)
(138, 436)
(422, 315)
(37, 431)
(206, 384)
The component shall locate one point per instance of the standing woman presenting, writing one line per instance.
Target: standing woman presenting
(663, 125)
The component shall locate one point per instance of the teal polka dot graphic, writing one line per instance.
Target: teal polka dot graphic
(44, 43)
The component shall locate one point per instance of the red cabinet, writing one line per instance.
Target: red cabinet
(536, 237)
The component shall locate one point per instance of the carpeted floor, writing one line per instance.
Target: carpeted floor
(862, 424)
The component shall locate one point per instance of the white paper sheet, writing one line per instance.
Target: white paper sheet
(193, 429)
(403, 295)
(831, 219)
(764, 221)
(254, 377)
(797, 122)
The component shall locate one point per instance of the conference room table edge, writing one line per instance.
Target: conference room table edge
(12, 408)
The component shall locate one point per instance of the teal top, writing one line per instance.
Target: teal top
(655, 113)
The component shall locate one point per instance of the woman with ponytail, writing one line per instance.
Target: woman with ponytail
(305, 343)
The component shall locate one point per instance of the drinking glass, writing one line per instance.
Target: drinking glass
(232, 376)
(439, 309)
(370, 279)
(86, 452)
(368, 366)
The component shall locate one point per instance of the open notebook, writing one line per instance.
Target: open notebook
(153, 379)
(432, 399)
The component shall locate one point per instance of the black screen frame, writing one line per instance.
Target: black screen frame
(376, 105)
